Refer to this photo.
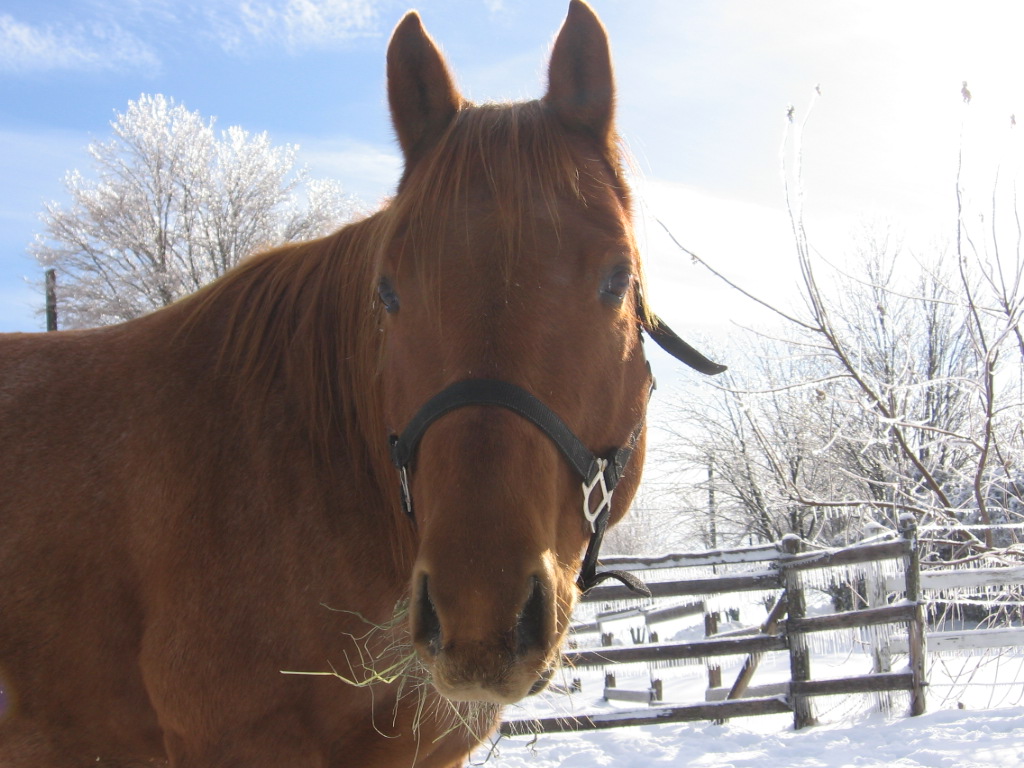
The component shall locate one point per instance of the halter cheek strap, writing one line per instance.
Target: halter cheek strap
(600, 475)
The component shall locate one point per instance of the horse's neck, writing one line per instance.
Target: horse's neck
(324, 423)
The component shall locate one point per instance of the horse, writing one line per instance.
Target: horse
(332, 508)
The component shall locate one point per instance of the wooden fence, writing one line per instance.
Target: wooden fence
(780, 570)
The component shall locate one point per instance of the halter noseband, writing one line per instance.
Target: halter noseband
(600, 475)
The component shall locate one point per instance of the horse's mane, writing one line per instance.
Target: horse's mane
(300, 319)
(305, 318)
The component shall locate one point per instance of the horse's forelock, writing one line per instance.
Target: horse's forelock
(521, 159)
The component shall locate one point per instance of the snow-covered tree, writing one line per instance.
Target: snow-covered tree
(863, 415)
(897, 388)
(173, 204)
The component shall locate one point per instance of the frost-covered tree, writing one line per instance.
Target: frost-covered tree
(173, 204)
(898, 388)
(859, 417)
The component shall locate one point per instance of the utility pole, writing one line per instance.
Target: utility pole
(51, 300)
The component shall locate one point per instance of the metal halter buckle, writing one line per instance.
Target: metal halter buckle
(403, 476)
(597, 482)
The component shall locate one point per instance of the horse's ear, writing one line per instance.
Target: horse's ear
(421, 92)
(581, 87)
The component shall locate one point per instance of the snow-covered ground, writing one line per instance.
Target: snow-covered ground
(975, 719)
(951, 738)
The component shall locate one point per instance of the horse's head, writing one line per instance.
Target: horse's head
(512, 262)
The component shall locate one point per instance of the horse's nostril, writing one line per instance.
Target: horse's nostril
(531, 630)
(542, 682)
(428, 625)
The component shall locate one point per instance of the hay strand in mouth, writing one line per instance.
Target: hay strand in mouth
(386, 659)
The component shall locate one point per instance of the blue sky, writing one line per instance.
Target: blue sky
(704, 86)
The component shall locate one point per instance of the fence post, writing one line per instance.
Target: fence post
(916, 641)
(51, 300)
(799, 658)
(710, 629)
(657, 690)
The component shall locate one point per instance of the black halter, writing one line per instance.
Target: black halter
(599, 474)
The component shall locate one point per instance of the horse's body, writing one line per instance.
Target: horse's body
(169, 557)
(199, 500)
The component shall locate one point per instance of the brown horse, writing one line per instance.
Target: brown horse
(197, 502)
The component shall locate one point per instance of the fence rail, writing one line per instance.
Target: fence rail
(733, 646)
(655, 715)
(972, 640)
(755, 582)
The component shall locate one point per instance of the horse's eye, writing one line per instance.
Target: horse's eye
(617, 285)
(388, 295)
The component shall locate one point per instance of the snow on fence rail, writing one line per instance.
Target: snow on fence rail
(783, 569)
(958, 580)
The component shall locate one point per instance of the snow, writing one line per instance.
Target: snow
(852, 733)
(943, 739)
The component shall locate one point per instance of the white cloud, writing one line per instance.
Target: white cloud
(93, 47)
(117, 35)
(293, 24)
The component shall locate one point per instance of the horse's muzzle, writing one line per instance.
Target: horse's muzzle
(476, 658)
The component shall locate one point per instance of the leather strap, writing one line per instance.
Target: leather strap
(593, 470)
(504, 395)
